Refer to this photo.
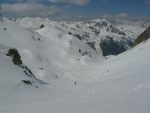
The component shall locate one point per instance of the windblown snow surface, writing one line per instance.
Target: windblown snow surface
(75, 83)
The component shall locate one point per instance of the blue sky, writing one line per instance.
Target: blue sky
(114, 7)
(75, 8)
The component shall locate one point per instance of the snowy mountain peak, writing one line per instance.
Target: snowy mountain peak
(99, 21)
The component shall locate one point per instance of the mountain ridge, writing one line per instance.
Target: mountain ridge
(94, 33)
(143, 37)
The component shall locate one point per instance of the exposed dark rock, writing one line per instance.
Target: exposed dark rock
(69, 33)
(111, 47)
(97, 32)
(16, 58)
(39, 39)
(40, 68)
(36, 38)
(143, 37)
(79, 51)
(94, 30)
(42, 26)
(27, 82)
(79, 37)
(77, 26)
(100, 25)
(28, 72)
(83, 53)
(112, 29)
(86, 35)
(5, 28)
(92, 45)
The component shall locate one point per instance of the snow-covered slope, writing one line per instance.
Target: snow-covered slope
(76, 83)
(98, 34)
(32, 23)
(50, 53)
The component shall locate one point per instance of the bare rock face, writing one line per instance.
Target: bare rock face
(16, 58)
(42, 26)
(112, 47)
(143, 37)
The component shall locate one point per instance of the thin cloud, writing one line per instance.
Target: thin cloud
(124, 18)
(147, 1)
(76, 2)
(21, 1)
(28, 9)
(122, 15)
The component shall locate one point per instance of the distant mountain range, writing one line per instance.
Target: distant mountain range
(98, 34)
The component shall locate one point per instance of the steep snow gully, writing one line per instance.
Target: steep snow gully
(61, 68)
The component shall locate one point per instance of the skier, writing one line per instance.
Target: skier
(75, 83)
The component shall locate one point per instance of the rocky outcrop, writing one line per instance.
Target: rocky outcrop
(112, 47)
(42, 26)
(143, 37)
(16, 59)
